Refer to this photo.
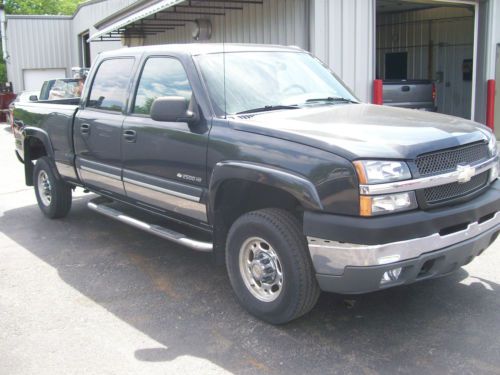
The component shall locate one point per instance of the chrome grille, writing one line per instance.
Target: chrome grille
(442, 193)
(448, 160)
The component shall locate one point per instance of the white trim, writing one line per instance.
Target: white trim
(491, 41)
(474, 62)
(101, 173)
(149, 11)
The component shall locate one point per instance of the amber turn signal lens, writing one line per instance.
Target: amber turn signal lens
(365, 206)
(360, 170)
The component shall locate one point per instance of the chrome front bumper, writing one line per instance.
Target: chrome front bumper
(332, 257)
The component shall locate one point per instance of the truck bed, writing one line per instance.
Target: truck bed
(415, 94)
(53, 118)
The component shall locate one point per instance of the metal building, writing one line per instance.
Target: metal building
(455, 43)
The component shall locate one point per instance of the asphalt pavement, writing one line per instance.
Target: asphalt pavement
(88, 295)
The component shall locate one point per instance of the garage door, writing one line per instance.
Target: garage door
(34, 78)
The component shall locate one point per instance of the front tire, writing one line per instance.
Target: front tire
(52, 193)
(269, 266)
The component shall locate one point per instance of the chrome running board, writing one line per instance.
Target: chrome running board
(99, 205)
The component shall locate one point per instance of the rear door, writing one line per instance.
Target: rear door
(98, 126)
(164, 163)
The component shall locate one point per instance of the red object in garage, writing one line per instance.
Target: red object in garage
(5, 99)
(490, 105)
(378, 94)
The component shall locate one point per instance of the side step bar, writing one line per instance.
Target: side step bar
(98, 205)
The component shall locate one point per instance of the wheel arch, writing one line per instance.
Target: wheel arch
(239, 187)
(36, 143)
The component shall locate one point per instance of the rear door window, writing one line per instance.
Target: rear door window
(109, 89)
(161, 76)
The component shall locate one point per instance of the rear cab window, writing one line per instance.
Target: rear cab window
(109, 89)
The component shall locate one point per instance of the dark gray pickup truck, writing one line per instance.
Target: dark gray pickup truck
(271, 164)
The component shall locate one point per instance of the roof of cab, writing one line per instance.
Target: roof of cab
(194, 49)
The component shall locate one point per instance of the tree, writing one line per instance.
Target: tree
(41, 6)
(62, 7)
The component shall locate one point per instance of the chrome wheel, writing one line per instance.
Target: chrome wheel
(44, 188)
(261, 270)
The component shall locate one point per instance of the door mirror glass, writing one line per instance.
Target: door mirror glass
(171, 109)
(33, 98)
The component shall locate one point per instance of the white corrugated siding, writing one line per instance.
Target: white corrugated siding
(48, 42)
(342, 36)
(339, 32)
(282, 22)
(85, 20)
(451, 31)
(36, 43)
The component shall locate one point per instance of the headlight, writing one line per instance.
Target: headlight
(385, 204)
(492, 144)
(381, 171)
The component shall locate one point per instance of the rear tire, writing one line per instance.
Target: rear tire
(269, 266)
(52, 193)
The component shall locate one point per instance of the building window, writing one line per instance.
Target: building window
(396, 65)
(85, 50)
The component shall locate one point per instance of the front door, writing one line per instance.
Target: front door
(98, 127)
(164, 163)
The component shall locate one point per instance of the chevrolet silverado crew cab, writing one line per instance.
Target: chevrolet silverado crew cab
(260, 155)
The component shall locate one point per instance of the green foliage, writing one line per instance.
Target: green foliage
(41, 6)
(3, 68)
(57, 7)
(146, 108)
(3, 71)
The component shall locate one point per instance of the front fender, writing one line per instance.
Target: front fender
(298, 186)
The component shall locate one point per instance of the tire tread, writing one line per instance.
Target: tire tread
(62, 197)
(289, 229)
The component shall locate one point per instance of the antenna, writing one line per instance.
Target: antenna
(224, 64)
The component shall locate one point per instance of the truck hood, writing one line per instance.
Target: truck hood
(363, 130)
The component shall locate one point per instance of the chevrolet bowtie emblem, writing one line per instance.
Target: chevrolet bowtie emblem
(465, 173)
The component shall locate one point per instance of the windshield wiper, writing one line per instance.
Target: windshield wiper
(331, 99)
(268, 108)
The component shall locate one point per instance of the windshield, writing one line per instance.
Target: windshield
(267, 80)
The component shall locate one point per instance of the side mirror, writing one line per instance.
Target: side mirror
(173, 109)
(33, 98)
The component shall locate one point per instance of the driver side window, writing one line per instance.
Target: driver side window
(161, 76)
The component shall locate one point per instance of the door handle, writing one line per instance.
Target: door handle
(85, 128)
(130, 135)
